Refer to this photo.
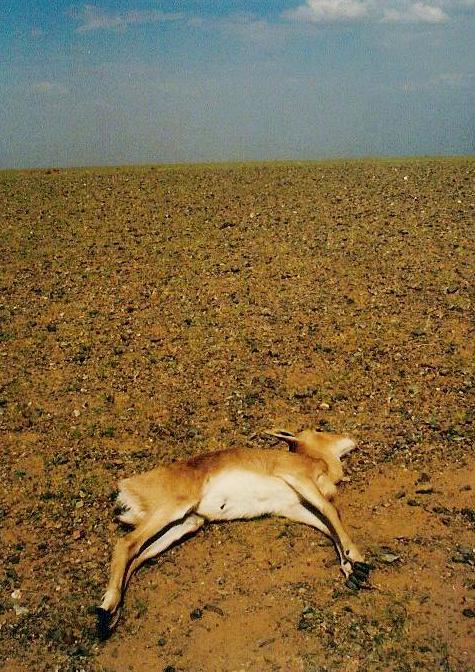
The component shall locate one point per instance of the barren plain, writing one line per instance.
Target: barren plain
(154, 313)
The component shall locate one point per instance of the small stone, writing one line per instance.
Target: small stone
(464, 555)
(469, 514)
(418, 331)
(413, 502)
(76, 413)
(324, 406)
(308, 619)
(423, 478)
(265, 642)
(400, 494)
(214, 609)
(468, 612)
(452, 289)
(440, 509)
(196, 614)
(389, 558)
(16, 595)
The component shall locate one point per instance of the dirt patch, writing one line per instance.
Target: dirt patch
(152, 314)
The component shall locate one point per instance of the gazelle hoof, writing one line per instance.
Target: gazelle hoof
(103, 624)
(352, 583)
(363, 567)
(358, 576)
(361, 571)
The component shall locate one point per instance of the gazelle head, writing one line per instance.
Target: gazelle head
(318, 445)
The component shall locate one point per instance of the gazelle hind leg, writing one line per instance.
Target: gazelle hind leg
(189, 525)
(125, 551)
(107, 620)
(351, 559)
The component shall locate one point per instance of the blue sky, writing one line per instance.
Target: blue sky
(150, 81)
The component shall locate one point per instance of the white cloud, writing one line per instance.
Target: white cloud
(415, 13)
(305, 16)
(95, 18)
(316, 11)
(401, 11)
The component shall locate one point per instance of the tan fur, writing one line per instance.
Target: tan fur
(177, 499)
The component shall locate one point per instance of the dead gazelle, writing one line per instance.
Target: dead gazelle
(172, 501)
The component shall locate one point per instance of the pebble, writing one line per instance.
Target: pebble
(452, 289)
(389, 558)
(214, 609)
(423, 478)
(20, 611)
(464, 555)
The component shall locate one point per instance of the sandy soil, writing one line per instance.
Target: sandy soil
(150, 314)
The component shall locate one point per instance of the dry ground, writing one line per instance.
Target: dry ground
(150, 314)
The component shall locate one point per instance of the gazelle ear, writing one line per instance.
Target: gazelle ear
(343, 446)
(282, 434)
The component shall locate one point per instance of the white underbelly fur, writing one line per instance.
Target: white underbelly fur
(245, 494)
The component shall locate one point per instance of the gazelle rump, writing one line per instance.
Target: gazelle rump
(167, 503)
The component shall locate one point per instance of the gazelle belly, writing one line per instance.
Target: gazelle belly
(244, 494)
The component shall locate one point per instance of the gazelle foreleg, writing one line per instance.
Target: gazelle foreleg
(299, 513)
(351, 561)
